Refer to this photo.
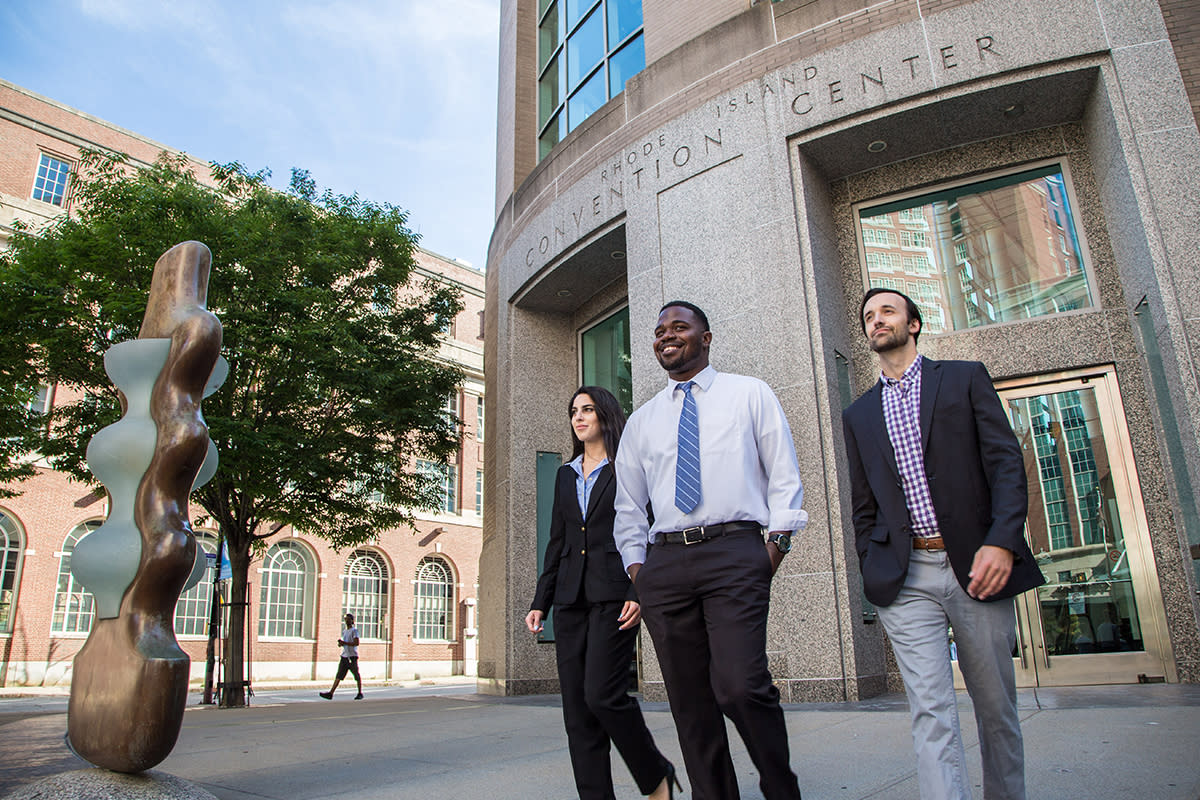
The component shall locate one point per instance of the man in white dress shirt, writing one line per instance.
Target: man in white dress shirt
(698, 559)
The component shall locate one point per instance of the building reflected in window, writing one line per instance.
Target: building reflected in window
(998, 250)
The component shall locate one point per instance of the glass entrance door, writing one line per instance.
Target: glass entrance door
(1099, 616)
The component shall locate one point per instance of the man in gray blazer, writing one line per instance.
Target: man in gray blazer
(939, 502)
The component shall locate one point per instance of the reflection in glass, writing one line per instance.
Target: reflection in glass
(1074, 527)
(576, 9)
(603, 48)
(585, 49)
(585, 101)
(550, 90)
(551, 136)
(625, 64)
(995, 251)
(605, 357)
(549, 35)
(624, 17)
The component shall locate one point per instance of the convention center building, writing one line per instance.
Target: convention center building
(1025, 170)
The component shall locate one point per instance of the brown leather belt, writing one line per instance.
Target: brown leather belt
(928, 543)
(703, 533)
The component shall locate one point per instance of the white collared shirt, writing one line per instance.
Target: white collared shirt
(748, 467)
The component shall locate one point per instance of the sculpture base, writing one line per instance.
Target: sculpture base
(100, 784)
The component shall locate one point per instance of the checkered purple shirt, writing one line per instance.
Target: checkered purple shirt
(902, 413)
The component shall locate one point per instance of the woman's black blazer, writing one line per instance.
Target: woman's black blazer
(582, 555)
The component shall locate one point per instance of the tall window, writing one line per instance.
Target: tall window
(604, 352)
(10, 562)
(39, 403)
(991, 251)
(587, 49)
(50, 186)
(194, 606)
(479, 419)
(288, 579)
(433, 601)
(446, 476)
(450, 408)
(479, 492)
(365, 593)
(74, 606)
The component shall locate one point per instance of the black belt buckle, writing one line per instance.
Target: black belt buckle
(698, 530)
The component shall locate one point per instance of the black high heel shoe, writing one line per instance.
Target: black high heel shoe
(672, 781)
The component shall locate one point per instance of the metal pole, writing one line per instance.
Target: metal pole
(214, 621)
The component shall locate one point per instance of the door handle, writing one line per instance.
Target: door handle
(1037, 606)
(1021, 642)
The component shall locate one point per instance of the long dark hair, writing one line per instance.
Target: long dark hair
(608, 411)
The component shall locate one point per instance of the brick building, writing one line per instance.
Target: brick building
(414, 592)
(1024, 169)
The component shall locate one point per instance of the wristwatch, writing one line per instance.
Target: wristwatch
(782, 541)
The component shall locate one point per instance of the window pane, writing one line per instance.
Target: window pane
(10, 554)
(194, 605)
(576, 9)
(74, 606)
(550, 90)
(50, 186)
(365, 593)
(624, 17)
(627, 62)
(585, 102)
(549, 35)
(433, 600)
(286, 579)
(605, 356)
(995, 251)
(585, 49)
(446, 476)
(1075, 526)
(552, 136)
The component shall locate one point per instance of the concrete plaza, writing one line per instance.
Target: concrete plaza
(1082, 743)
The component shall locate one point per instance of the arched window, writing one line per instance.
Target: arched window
(365, 593)
(74, 607)
(10, 573)
(288, 580)
(195, 605)
(433, 601)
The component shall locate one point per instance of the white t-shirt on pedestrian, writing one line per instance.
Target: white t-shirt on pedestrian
(349, 635)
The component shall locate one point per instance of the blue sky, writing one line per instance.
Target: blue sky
(393, 100)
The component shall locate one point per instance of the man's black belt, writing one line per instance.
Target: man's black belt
(702, 533)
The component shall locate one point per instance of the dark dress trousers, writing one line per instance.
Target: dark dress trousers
(976, 479)
(584, 579)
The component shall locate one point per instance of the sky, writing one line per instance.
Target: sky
(393, 100)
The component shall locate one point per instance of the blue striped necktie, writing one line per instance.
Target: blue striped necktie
(687, 466)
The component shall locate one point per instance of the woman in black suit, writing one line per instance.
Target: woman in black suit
(595, 610)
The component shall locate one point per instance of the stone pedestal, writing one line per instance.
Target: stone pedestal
(100, 784)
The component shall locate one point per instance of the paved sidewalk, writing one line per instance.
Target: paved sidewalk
(1089, 743)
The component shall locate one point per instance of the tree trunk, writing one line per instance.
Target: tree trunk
(234, 694)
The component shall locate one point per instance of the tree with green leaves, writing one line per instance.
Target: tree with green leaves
(334, 384)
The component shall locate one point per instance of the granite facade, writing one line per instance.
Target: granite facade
(734, 186)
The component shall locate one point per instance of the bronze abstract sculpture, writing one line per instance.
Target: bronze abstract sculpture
(129, 683)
